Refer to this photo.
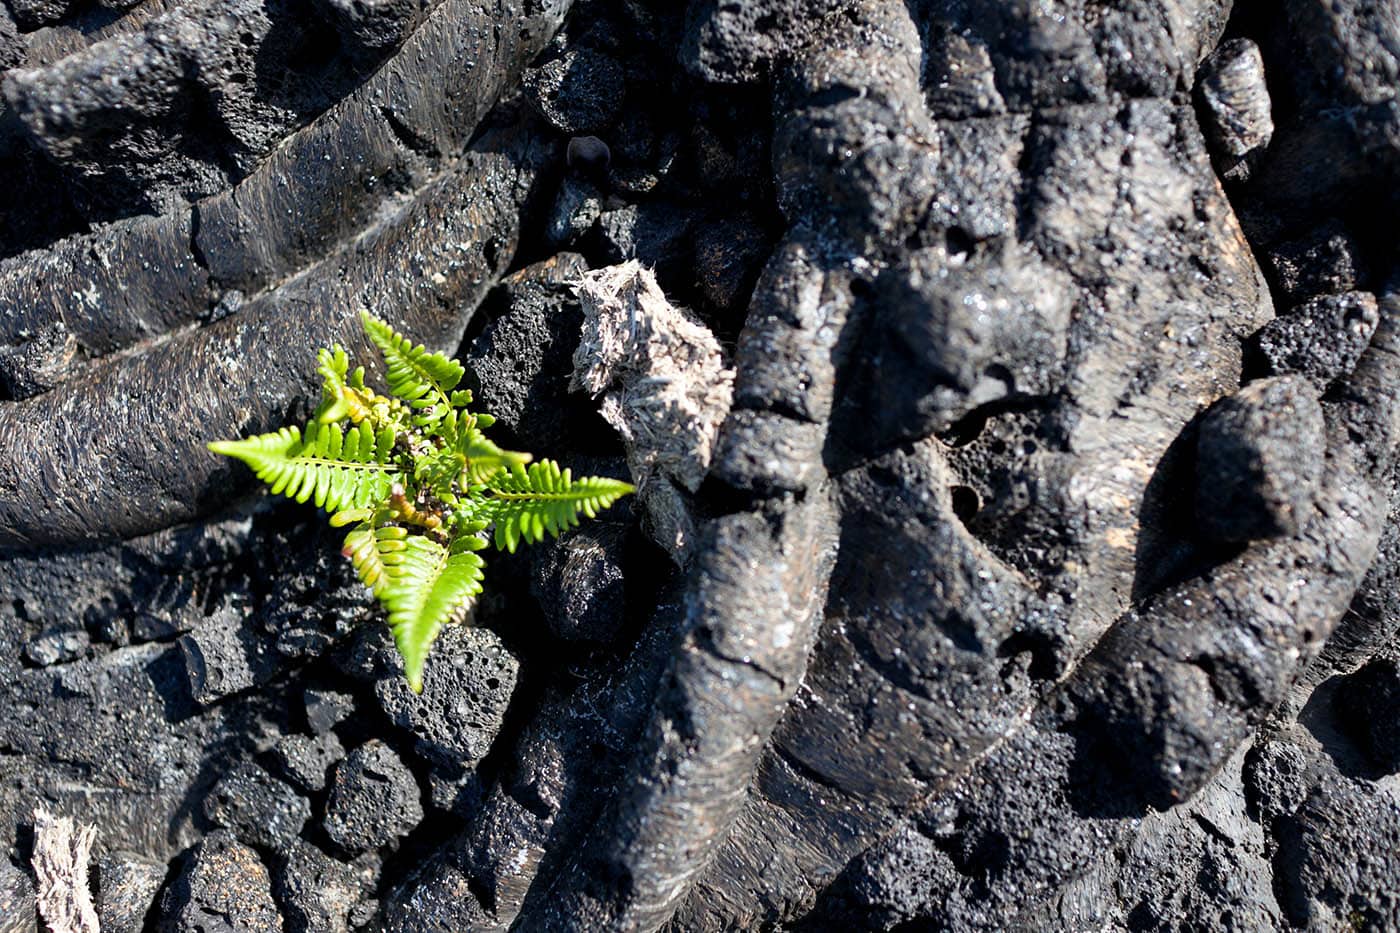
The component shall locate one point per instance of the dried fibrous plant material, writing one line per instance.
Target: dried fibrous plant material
(61, 855)
(665, 387)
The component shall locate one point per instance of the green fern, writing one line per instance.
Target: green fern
(433, 585)
(338, 469)
(527, 502)
(420, 483)
(416, 375)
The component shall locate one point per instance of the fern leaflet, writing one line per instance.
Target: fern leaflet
(527, 502)
(375, 550)
(337, 469)
(431, 586)
(415, 374)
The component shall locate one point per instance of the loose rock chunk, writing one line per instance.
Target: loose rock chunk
(257, 807)
(316, 892)
(306, 760)
(1322, 338)
(222, 888)
(1259, 460)
(127, 885)
(374, 799)
(1238, 111)
(465, 694)
(17, 913)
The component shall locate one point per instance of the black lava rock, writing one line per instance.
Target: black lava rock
(317, 893)
(519, 368)
(731, 42)
(579, 583)
(579, 93)
(32, 14)
(576, 210)
(17, 907)
(729, 252)
(57, 647)
(127, 886)
(11, 45)
(374, 799)
(326, 708)
(950, 650)
(258, 808)
(36, 365)
(641, 153)
(306, 761)
(1238, 114)
(373, 25)
(1007, 316)
(894, 887)
(224, 655)
(1338, 857)
(460, 794)
(655, 232)
(1327, 261)
(466, 688)
(222, 888)
(1322, 338)
(1258, 460)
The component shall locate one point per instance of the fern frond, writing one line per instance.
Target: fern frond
(375, 551)
(527, 502)
(333, 367)
(337, 469)
(430, 585)
(415, 374)
(467, 457)
(484, 459)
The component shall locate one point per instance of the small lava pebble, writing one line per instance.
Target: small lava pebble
(588, 154)
(223, 886)
(1259, 460)
(326, 708)
(306, 760)
(374, 799)
(17, 910)
(257, 807)
(578, 93)
(1322, 338)
(466, 689)
(57, 647)
(317, 893)
(127, 885)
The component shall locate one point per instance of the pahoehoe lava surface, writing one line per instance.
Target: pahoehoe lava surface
(1043, 570)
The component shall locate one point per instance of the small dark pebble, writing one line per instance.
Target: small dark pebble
(306, 760)
(326, 708)
(374, 800)
(57, 647)
(1259, 460)
(260, 809)
(588, 153)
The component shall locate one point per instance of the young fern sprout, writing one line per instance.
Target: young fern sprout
(418, 483)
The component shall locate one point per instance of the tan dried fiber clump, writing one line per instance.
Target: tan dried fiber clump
(61, 855)
(665, 387)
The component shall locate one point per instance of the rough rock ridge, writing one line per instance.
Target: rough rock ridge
(1016, 547)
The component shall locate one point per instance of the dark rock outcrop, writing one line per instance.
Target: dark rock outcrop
(1012, 390)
